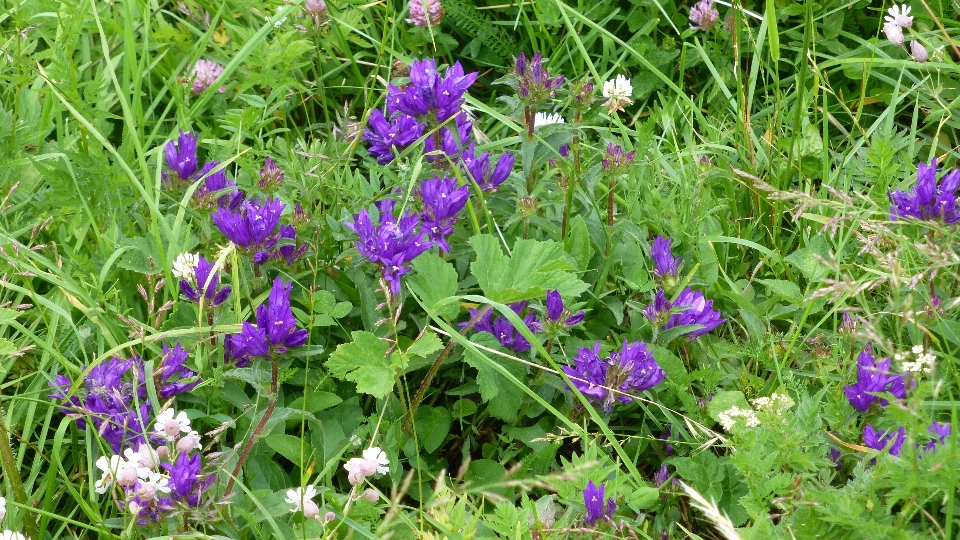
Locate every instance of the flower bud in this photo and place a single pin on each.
(310, 509)
(329, 516)
(190, 441)
(371, 495)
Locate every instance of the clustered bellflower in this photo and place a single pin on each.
(666, 266)
(928, 200)
(873, 378)
(442, 201)
(877, 440)
(697, 310)
(631, 369)
(535, 85)
(939, 432)
(206, 284)
(502, 329)
(387, 138)
(183, 164)
(252, 226)
(597, 508)
(558, 318)
(276, 331)
(478, 167)
(393, 243)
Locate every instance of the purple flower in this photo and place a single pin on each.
(208, 283)
(873, 378)
(558, 318)
(703, 15)
(204, 74)
(940, 432)
(535, 85)
(593, 499)
(450, 144)
(502, 329)
(658, 311)
(631, 369)
(666, 264)
(479, 168)
(442, 201)
(665, 436)
(251, 226)
(927, 200)
(174, 374)
(616, 160)
(276, 331)
(388, 138)
(317, 9)
(430, 97)
(181, 156)
(207, 194)
(699, 311)
(270, 175)
(184, 484)
(425, 12)
(288, 250)
(835, 457)
(392, 244)
(878, 441)
(661, 476)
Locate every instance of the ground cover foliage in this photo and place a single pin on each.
(634, 269)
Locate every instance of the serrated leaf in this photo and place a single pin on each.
(535, 267)
(577, 244)
(435, 281)
(7, 315)
(7, 348)
(433, 425)
(365, 362)
(428, 344)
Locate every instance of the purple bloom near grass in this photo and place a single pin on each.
(502, 329)
(442, 201)
(872, 438)
(479, 168)
(387, 138)
(665, 263)
(425, 12)
(699, 311)
(451, 143)
(939, 432)
(661, 476)
(558, 317)
(209, 194)
(185, 484)
(632, 369)
(252, 226)
(181, 156)
(173, 376)
(535, 84)
(703, 15)
(873, 378)
(597, 508)
(658, 311)
(204, 74)
(392, 244)
(616, 160)
(430, 97)
(276, 331)
(208, 285)
(928, 200)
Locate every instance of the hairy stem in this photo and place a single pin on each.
(257, 430)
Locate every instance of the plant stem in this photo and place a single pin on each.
(257, 430)
(9, 467)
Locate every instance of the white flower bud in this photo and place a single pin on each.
(371, 495)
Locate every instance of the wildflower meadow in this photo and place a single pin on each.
(479, 269)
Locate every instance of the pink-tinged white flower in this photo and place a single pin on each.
(302, 501)
(899, 15)
(703, 15)
(153, 484)
(204, 74)
(618, 92)
(148, 458)
(169, 426)
(189, 442)
(109, 469)
(425, 12)
(918, 52)
(378, 456)
(358, 469)
(894, 33)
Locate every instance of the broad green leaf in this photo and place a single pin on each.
(535, 267)
(435, 280)
(807, 259)
(578, 244)
(287, 446)
(723, 401)
(365, 362)
(786, 290)
(433, 425)
(428, 344)
(315, 401)
(644, 497)
(326, 309)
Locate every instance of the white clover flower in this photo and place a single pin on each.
(894, 33)
(109, 468)
(298, 497)
(618, 92)
(184, 266)
(899, 15)
(545, 119)
(11, 535)
(3, 508)
(169, 426)
(378, 456)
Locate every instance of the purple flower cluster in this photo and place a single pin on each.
(501, 328)
(276, 331)
(597, 508)
(535, 85)
(939, 433)
(615, 160)
(183, 164)
(387, 138)
(255, 227)
(425, 13)
(478, 167)
(703, 15)
(442, 201)
(631, 369)
(873, 378)
(207, 285)
(558, 318)
(666, 266)
(928, 200)
(393, 243)
(697, 310)
(115, 399)
(872, 438)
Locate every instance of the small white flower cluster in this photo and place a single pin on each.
(618, 92)
(922, 363)
(374, 461)
(545, 119)
(776, 403)
(184, 267)
(728, 418)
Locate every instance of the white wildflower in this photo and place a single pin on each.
(169, 426)
(545, 119)
(153, 484)
(894, 33)
(149, 458)
(11, 535)
(189, 442)
(776, 403)
(917, 349)
(3, 508)
(300, 496)
(728, 418)
(618, 92)
(185, 265)
(380, 457)
(109, 468)
(358, 469)
(899, 15)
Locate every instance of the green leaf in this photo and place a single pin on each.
(578, 243)
(535, 267)
(492, 383)
(807, 259)
(287, 446)
(326, 309)
(7, 348)
(644, 497)
(315, 401)
(7, 315)
(433, 425)
(435, 282)
(428, 344)
(365, 362)
(786, 290)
